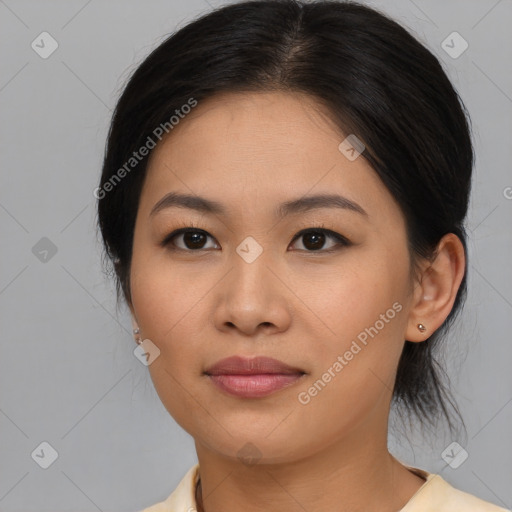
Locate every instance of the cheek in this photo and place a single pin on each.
(173, 311)
(354, 374)
(166, 299)
(365, 310)
(167, 313)
(352, 299)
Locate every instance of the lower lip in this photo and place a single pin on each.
(254, 386)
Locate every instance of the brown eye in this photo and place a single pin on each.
(315, 239)
(187, 239)
(194, 239)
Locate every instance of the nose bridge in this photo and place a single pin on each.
(251, 295)
(251, 261)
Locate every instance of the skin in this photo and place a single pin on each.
(251, 152)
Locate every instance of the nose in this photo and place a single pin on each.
(253, 297)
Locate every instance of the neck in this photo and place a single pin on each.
(355, 474)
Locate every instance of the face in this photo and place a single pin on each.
(242, 280)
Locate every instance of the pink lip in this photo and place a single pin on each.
(252, 378)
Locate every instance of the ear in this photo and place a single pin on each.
(436, 289)
(134, 322)
(132, 315)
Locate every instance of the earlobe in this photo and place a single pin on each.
(436, 289)
(135, 327)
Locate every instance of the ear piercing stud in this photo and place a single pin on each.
(421, 328)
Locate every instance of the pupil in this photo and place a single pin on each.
(193, 238)
(316, 238)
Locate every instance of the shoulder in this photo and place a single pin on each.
(182, 499)
(457, 499)
(437, 495)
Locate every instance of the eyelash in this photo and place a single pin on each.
(340, 239)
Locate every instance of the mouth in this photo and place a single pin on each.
(252, 378)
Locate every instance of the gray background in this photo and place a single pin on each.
(68, 375)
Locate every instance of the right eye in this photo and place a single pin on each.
(191, 239)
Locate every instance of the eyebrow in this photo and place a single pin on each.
(301, 205)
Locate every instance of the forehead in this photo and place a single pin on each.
(250, 149)
(273, 125)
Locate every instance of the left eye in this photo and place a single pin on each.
(314, 239)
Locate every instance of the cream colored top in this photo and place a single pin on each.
(435, 495)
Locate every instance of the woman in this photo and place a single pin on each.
(283, 197)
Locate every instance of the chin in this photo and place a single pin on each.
(264, 445)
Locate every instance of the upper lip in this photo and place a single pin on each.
(237, 365)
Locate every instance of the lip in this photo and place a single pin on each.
(252, 377)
